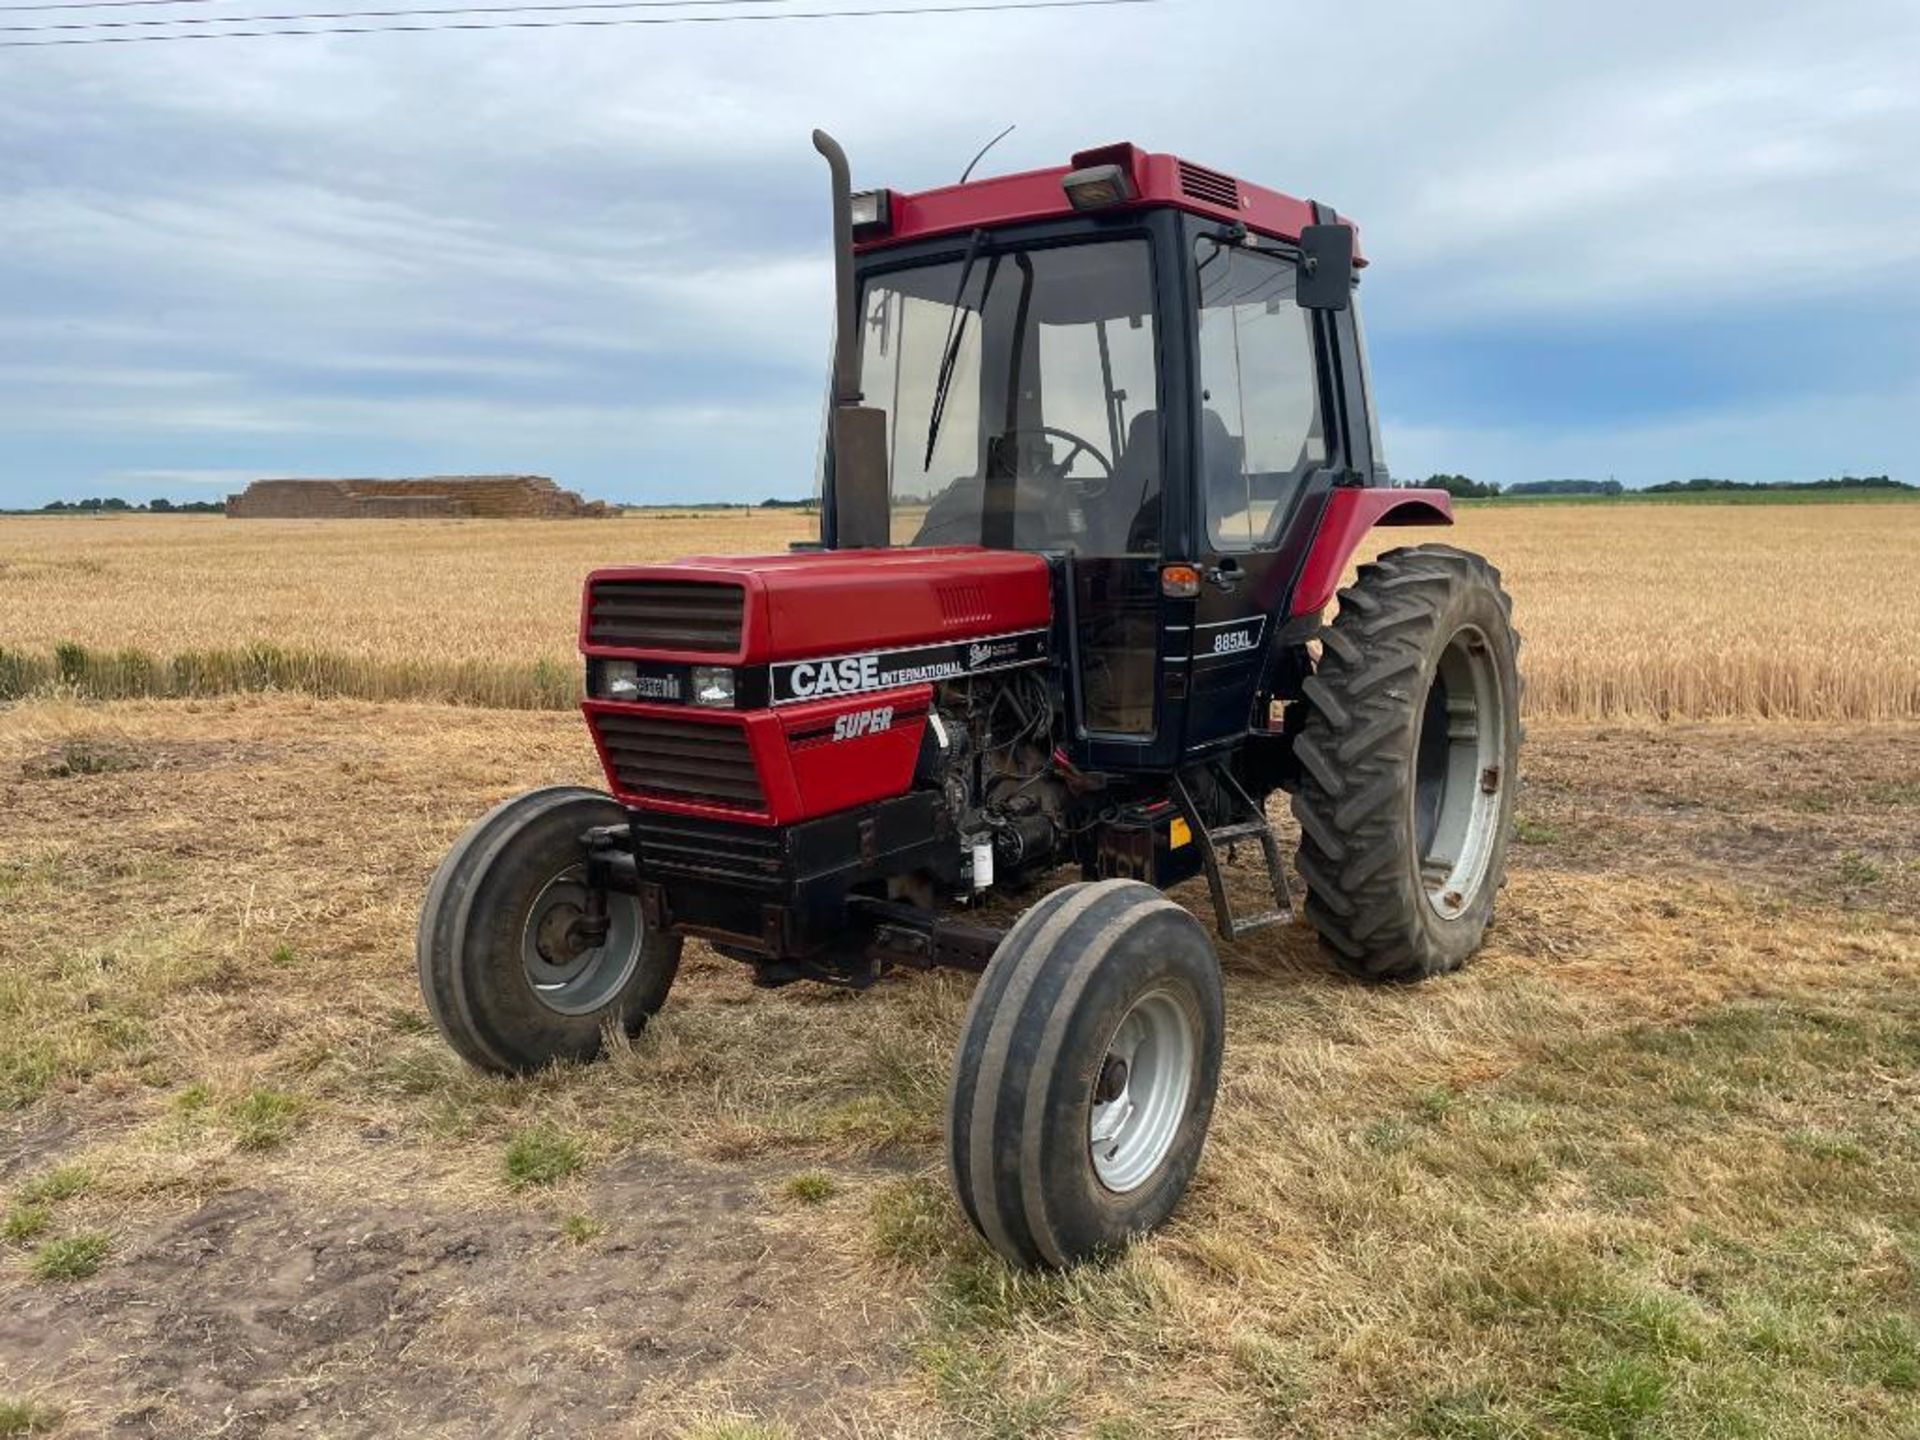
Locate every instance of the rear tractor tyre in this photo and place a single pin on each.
(507, 973)
(1409, 760)
(1086, 1073)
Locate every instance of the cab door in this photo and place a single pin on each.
(1261, 466)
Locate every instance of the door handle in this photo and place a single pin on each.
(1227, 575)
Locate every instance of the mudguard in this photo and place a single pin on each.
(1350, 514)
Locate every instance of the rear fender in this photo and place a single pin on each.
(1350, 514)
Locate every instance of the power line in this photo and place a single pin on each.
(104, 4)
(372, 14)
(216, 19)
(729, 19)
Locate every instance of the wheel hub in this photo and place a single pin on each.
(559, 939)
(1112, 1082)
(1457, 774)
(1140, 1095)
(569, 972)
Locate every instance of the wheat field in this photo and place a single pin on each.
(1805, 612)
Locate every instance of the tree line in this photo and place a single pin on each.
(1463, 487)
(160, 506)
(1841, 482)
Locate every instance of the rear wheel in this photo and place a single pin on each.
(1085, 1077)
(512, 976)
(1409, 764)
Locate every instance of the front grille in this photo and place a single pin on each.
(1200, 183)
(681, 760)
(745, 856)
(666, 615)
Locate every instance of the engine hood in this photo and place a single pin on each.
(762, 609)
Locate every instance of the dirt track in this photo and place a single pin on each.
(260, 1313)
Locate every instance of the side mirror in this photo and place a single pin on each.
(1326, 267)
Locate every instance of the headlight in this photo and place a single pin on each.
(617, 680)
(713, 685)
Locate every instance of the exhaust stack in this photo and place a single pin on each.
(857, 502)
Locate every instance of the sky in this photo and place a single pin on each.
(1648, 241)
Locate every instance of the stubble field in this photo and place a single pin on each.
(1649, 1167)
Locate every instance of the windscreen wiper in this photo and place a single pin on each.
(956, 332)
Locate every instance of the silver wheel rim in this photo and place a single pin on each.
(566, 976)
(1458, 774)
(1140, 1094)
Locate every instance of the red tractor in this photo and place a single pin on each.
(1102, 443)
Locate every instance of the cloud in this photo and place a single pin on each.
(1607, 239)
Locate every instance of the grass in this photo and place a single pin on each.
(72, 1257)
(264, 1119)
(82, 1007)
(32, 1211)
(735, 1427)
(25, 1221)
(912, 1221)
(1856, 870)
(546, 683)
(1648, 1167)
(1535, 832)
(61, 1183)
(809, 1187)
(1503, 1299)
(27, 1417)
(542, 1156)
(1663, 610)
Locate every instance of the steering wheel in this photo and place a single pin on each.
(1077, 445)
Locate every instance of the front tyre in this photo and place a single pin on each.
(1409, 761)
(508, 974)
(1086, 1073)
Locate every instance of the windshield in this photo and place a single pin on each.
(1024, 417)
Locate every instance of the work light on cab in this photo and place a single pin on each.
(872, 213)
(1099, 186)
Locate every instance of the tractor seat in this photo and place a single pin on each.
(1223, 479)
(1223, 473)
(1136, 489)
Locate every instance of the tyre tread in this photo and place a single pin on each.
(1012, 1058)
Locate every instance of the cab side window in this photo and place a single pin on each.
(1260, 420)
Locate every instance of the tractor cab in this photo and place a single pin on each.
(1114, 364)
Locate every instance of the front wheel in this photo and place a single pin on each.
(1086, 1073)
(511, 976)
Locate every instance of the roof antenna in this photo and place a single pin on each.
(983, 150)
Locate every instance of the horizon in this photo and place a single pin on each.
(1514, 489)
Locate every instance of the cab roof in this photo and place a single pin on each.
(1158, 181)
